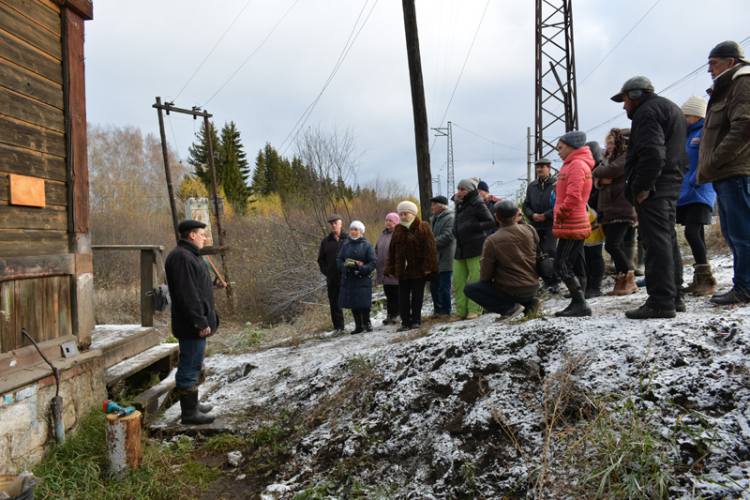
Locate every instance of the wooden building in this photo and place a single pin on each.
(46, 275)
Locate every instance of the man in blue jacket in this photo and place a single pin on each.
(193, 315)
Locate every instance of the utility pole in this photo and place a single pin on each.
(221, 249)
(556, 88)
(448, 132)
(421, 139)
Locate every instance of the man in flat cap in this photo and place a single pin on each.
(193, 315)
(724, 158)
(330, 247)
(655, 166)
(441, 223)
(537, 206)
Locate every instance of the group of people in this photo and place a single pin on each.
(670, 167)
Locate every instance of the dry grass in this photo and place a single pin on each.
(715, 242)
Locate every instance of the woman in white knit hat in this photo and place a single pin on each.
(696, 202)
(412, 257)
(357, 261)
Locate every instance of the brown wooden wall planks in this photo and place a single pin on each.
(12, 217)
(28, 110)
(23, 135)
(45, 15)
(14, 160)
(19, 25)
(56, 193)
(20, 243)
(19, 52)
(30, 84)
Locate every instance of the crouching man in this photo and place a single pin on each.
(508, 279)
(193, 315)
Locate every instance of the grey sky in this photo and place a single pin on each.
(138, 50)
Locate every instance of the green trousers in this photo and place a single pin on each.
(465, 271)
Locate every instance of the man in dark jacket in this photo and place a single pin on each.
(484, 192)
(330, 247)
(193, 315)
(508, 278)
(655, 166)
(442, 227)
(724, 158)
(538, 208)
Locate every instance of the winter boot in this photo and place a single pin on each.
(358, 326)
(191, 415)
(694, 283)
(593, 286)
(578, 306)
(645, 312)
(705, 283)
(640, 265)
(620, 280)
(205, 408)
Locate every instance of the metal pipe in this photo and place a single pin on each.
(56, 405)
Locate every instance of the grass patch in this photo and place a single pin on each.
(79, 469)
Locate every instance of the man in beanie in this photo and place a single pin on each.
(330, 247)
(442, 228)
(696, 201)
(489, 200)
(724, 158)
(508, 279)
(655, 167)
(193, 315)
(537, 206)
(571, 224)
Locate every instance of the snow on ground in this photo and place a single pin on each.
(430, 410)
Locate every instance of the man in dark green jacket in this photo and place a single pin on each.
(442, 227)
(724, 159)
(193, 315)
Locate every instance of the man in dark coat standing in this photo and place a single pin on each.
(654, 169)
(538, 208)
(329, 250)
(193, 315)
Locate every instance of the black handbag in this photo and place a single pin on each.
(545, 265)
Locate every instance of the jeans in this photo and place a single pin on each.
(656, 223)
(493, 299)
(465, 271)
(337, 314)
(441, 292)
(191, 362)
(410, 298)
(733, 195)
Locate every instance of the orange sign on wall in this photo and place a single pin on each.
(27, 191)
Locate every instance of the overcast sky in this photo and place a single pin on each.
(137, 50)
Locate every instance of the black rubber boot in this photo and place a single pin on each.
(593, 286)
(578, 306)
(358, 328)
(205, 408)
(190, 413)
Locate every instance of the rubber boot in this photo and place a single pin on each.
(611, 269)
(593, 286)
(629, 248)
(358, 327)
(205, 408)
(705, 283)
(366, 323)
(191, 415)
(640, 267)
(578, 306)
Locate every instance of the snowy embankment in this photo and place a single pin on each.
(424, 416)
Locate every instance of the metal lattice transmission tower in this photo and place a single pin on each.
(448, 132)
(556, 94)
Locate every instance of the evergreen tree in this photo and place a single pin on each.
(198, 157)
(233, 169)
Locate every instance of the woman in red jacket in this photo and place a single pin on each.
(571, 224)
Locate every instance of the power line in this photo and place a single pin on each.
(347, 47)
(622, 40)
(465, 61)
(488, 140)
(253, 53)
(212, 50)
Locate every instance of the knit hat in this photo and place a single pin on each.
(407, 206)
(483, 186)
(393, 217)
(470, 183)
(575, 139)
(358, 225)
(695, 106)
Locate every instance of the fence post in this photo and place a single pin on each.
(148, 274)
